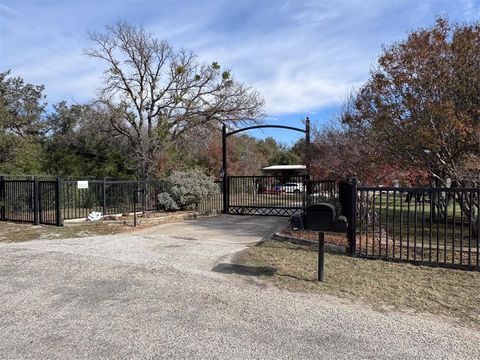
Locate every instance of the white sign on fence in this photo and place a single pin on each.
(82, 184)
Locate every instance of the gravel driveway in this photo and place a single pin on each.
(153, 294)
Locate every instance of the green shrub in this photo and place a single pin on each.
(185, 190)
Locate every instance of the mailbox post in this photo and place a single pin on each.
(321, 256)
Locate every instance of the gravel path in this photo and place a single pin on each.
(152, 294)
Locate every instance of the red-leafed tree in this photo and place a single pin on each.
(423, 102)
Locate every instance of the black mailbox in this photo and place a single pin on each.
(296, 222)
(320, 217)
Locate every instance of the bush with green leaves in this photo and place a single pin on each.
(185, 190)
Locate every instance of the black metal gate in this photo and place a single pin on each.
(48, 202)
(32, 201)
(17, 200)
(276, 195)
(266, 195)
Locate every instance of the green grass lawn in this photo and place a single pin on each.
(383, 285)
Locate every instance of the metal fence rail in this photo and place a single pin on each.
(52, 201)
(151, 190)
(104, 196)
(111, 197)
(215, 201)
(41, 200)
(437, 226)
(325, 189)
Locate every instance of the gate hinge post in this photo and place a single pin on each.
(352, 229)
(104, 196)
(58, 204)
(2, 199)
(36, 202)
(225, 170)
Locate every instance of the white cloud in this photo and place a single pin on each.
(303, 56)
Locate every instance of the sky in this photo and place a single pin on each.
(304, 56)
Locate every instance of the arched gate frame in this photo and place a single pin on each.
(226, 134)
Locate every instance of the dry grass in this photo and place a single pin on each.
(17, 231)
(384, 285)
(12, 232)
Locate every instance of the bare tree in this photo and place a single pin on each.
(156, 94)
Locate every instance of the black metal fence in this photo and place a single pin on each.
(52, 201)
(109, 197)
(38, 200)
(215, 201)
(118, 197)
(324, 190)
(35, 201)
(16, 199)
(437, 226)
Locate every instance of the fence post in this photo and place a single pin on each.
(58, 204)
(307, 146)
(2, 199)
(308, 190)
(352, 229)
(137, 187)
(104, 190)
(144, 195)
(36, 201)
(224, 169)
(135, 193)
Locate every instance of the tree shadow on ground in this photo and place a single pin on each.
(226, 268)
